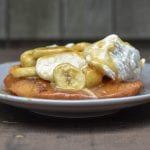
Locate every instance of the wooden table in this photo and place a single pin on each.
(21, 129)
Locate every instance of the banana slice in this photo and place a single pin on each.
(19, 72)
(79, 47)
(93, 77)
(67, 76)
(45, 65)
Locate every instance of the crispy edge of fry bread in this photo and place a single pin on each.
(38, 88)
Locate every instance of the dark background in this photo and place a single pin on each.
(41, 22)
(31, 23)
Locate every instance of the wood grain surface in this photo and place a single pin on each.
(21, 129)
(87, 19)
(73, 19)
(3, 18)
(132, 19)
(32, 19)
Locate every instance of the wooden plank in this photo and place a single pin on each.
(87, 18)
(3, 33)
(132, 18)
(32, 19)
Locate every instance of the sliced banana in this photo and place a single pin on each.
(45, 65)
(27, 59)
(79, 47)
(19, 72)
(93, 77)
(67, 76)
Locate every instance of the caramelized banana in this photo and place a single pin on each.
(67, 76)
(79, 47)
(18, 72)
(93, 77)
(28, 58)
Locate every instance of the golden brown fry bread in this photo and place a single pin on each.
(38, 88)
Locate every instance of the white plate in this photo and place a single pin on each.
(74, 108)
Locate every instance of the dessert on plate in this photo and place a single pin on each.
(107, 68)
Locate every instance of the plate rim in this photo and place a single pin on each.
(103, 101)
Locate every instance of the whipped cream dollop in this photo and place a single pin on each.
(111, 56)
(115, 58)
(45, 65)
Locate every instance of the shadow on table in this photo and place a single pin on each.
(126, 119)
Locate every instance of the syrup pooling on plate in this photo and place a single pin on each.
(88, 62)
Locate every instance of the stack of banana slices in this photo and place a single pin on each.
(82, 65)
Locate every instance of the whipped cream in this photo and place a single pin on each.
(46, 65)
(117, 59)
